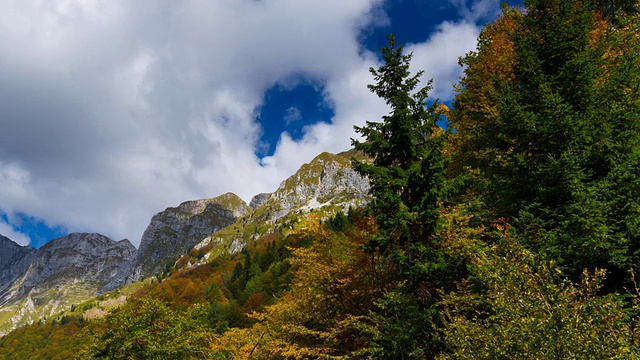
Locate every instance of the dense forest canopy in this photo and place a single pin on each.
(547, 121)
(514, 233)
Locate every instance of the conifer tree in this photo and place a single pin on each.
(563, 134)
(407, 171)
(406, 175)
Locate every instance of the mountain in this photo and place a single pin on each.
(36, 284)
(258, 200)
(323, 186)
(327, 181)
(176, 230)
(224, 224)
(14, 263)
(65, 271)
(90, 258)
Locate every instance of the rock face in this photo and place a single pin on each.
(174, 231)
(258, 200)
(89, 258)
(65, 271)
(328, 180)
(14, 263)
(322, 187)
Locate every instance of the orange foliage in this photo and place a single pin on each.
(476, 109)
(255, 302)
(183, 261)
(335, 284)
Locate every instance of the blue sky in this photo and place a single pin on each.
(113, 111)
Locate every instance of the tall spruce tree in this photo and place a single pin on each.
(407, 181)
(407, 171)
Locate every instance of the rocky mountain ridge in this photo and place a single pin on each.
(65, 271)
(68, 270)
(14, 263)
(176, 230)
(328, 180)
(85, 257)
(323, 186)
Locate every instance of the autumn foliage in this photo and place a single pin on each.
(511, 234)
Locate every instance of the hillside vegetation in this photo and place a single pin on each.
(512, 233)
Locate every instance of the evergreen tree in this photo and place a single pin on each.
(407, 182)
(407, 172)
(563, 134)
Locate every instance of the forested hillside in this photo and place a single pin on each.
(513, 232)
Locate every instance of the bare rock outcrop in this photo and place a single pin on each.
(176, 230)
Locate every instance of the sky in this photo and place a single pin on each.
(113, 110)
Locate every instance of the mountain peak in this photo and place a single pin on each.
(8, 248)
(258, 200)
(64, 271)
(176, 230)
(328, 179)
(78, 256)
(232, 202)
(78, 240)
(14, 262)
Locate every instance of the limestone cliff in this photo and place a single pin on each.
(65, 271)
(71, 269)
(325, 185)
(328, 180)
(89, 258)
(14, 263)
(174, 231)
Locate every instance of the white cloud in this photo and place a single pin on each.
(7, 231)
(354, 104)
(111, 111)
(292, 114)
(477, 10)
(438, 56)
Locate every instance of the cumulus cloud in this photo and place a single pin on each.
(438, 57)
(111, 111)
(477, 10)
(354, 104)
(7, 231)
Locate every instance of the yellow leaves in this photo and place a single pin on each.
(458, 236)
(278, 334)
(331, 291)
(444, 110)
(313, 224)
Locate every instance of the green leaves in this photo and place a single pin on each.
(407, 178)
(528, 310)
(149, 329)
(545, 140)
(544, 160)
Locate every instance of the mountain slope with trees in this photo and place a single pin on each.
(512, 234)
